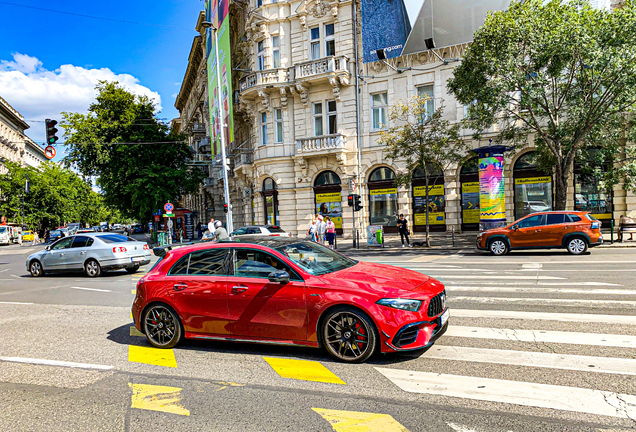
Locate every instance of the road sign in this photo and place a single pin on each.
(352, 185)
(49, 152)
(168, 207)
(168, 215)
(157, 218)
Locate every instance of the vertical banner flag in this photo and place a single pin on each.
(385, 25)
(217, 12)
(491, 189)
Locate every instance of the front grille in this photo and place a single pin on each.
(406, 337)
(437, 304)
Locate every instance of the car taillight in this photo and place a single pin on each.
(274, 235)
(146, 247)
(119, 249)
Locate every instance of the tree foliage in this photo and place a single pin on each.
(561, 71)
(135, 178)
(56, 196)
(424, 142)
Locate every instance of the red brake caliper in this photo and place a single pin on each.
(360, 338)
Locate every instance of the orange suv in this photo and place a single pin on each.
(573, 230)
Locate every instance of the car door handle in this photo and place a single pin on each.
(62, 254)
(238, 289)
(83, 253)
(179, 286)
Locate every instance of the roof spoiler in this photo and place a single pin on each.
(161, 251)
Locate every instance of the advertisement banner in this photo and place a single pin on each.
(434, 218)
(436, 205)
(375, 235)
(217, 12)
(492, 205)
(383, 191)
(330, 204)
(378, 32)
(189, 226)
(432, 190)
(470, 202)
(533, 180)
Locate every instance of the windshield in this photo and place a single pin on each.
(314, 258)
(3, 229)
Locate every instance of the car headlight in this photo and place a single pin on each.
(404, 304)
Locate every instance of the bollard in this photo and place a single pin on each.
(453, 236)
(612, 231)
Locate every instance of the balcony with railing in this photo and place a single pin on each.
(322, 69)
(198, 128)
(255, 81)
(322, 144)
(243, 159)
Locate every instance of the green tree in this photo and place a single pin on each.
(428, 143)
(560, 71)
(137, 163)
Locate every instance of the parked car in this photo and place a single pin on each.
(91, 253)
(57, 234)
(5, 235)
(137, 228)
(27, 235)
(73, 227)
(260, 230)
(573, 230)
(287, 291)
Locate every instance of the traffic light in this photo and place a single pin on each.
(224, 208)
(350, 200)
(356, 203)
(51, 130)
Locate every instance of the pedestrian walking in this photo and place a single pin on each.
(403, 229)
(36, 238)
(199, 231)
(312, 230)
(321, 229)
(47, 235)
(20, 238)
(330, 229)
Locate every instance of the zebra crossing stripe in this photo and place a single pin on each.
(540, 290)
(565, 398)
(534, 359)
(543, 301)
(544, 316)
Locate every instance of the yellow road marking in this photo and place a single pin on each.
(352, 421)
(135, 332)
(305, 370)
(153, 356)
(133, 291)
(131, 317)
(157, 398)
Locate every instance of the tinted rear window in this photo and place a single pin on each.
(556, 218)
(575, 218)
(275, 229)
(82, 241)
(206, 262)
(590, 217)
(113, 238)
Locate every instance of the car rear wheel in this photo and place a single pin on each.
(92, 268)
(132, 270)
(498, 247)
(162, 326)
(577, 246)
(349, 335)
(35, 268)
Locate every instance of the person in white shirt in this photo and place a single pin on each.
(211, 226)
(321, 228)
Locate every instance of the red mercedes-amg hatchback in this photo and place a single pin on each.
(287, 291)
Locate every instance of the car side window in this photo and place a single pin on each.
(65, 243)
(253, 231)
(556, 218)
(574, 218)
(208, 262)
(258, 264)
(81, 241)
(531, 221)
(181, 267)
(239, 231)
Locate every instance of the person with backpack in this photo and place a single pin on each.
(330, 229)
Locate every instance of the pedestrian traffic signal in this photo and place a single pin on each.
(224, 208)
(350, 200)
(51, 130)
(356, 203)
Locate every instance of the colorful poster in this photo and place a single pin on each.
(470, 202)
(492, 205)
(375, 235)
(330, 204)
(220, 101)
(378, 32)
(436, 205)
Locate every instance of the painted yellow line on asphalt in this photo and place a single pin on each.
(157, 398)
(352, 421)
(135, 332)
(131, 317)
(133, 291)
(152, 356)
(305, 370)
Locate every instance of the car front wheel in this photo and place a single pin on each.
(498, 247)
(162, 326)
(92, 268)
(349, 335)
(577, 246)
(36, 268)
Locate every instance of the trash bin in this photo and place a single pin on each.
(379, 236)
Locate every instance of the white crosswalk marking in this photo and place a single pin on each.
(545, 316)
(547, 301)
(542, 290)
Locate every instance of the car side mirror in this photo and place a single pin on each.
(280, 276)
(48, 248)
(515, 227)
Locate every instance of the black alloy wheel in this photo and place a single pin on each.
(349, 335)
(35, 268)
(162, 326)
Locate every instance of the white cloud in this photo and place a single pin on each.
(38, 93)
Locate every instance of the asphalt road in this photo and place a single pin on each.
(537, 342)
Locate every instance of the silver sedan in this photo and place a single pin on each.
(91, 253)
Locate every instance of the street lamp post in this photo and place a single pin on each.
(226, 187)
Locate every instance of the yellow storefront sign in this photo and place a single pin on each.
(470, 187)
(533, 180)
(383, 191)
(438, 218)
(328, 197)
(432, 190)
(602, 215)
(470, 216)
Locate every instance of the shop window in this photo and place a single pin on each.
(533, 188)
(328, 197)
(383, 204)
(436, 199)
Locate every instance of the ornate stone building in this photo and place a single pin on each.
(15, 146)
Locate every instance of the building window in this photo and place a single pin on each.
(318, 119)
(276, 51)
(315, 43)
(330, 43)
(428, 92)
(332, 115)
(261, 56)
(278, 118)
(270, 199)
(379, 104)
(263, 128)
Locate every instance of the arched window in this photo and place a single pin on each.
(533, 188)
(328, 198)
(469, 180)
(382, 174)
(383, 204)
(436, 198)
(270, 200)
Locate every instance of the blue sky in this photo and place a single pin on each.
(49, 61)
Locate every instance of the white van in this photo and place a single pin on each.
(5, 235)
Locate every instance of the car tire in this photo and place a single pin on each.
(92, 268)
(345, 331)
(498, 247)
(35, 268)
(162, 326)
(577, 246)
(132, 270)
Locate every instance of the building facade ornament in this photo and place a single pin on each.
(303, 92)
(283, 98)
(264, 99)
(319, 9)
(336, 88)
